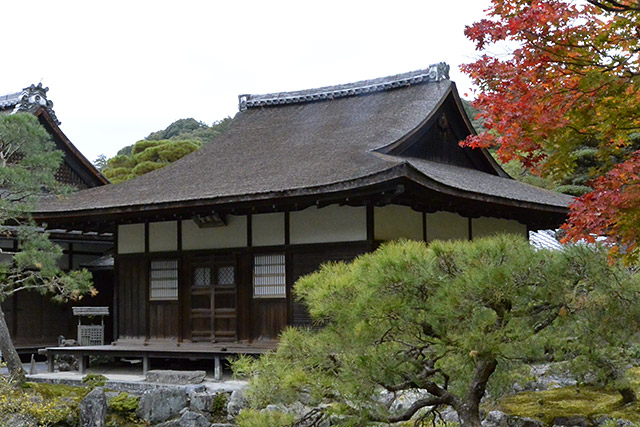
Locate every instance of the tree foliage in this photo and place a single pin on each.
(161, 148)
(452, 318)
(146, 156)
(568, 92)
(29, 162)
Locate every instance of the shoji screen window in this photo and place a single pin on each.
(269, 277)
(164, 280)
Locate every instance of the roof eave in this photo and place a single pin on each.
(43, 114)
(357, 191)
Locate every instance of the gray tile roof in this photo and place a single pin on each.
(9, 100)
(544, 239)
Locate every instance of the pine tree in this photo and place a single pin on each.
(29, 161)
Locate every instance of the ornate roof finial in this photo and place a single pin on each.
(34, 97)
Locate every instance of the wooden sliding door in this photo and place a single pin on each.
(212, 308)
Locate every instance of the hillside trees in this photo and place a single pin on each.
(568, 92)
(161, 148)
(453, 318)
(29, 161)
(146, 156)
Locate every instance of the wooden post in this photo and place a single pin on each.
(217, 371)
(145, 363)
(83, 363)
(50, 358)
(32, 365)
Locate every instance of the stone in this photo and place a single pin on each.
(524, 422)
(237, 402)
(404, 399)
(572, 421)
(188, 419)
(449, 415)
(496, 419)
(19, 420)
(175, 377)
(202, 402)
(274, 408)
(93, 409)
(619, 422)
(161, 404)
(549, 376)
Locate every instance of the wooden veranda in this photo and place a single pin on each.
(170, 350)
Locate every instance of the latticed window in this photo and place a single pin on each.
(202, 277)
(226, 276)
(164, 280)
(269, 277)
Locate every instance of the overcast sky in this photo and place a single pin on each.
(119, 70)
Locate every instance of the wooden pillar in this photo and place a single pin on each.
(145, 363)
(217, 368)
(83, 363)
(50, 358)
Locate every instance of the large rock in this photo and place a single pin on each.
(188, 419)
(175, 377)
(161, 404)
(237, 402)
(93, 409)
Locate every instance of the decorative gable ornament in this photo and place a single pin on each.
(34, 97)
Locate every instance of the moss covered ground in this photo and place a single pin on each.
(58, 405)
(591, 402)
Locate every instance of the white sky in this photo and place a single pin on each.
(119, 70)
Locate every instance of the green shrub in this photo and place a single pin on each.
(253, 418)
(55, 406)
(219, 405)
(94, 380)
(125, 405)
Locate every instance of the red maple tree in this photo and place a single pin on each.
(570, 76)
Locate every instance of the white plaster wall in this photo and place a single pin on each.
(267, 229)
(233, 235)
(395, 222)
(485, 226)
(130, 238)
(447, 226)
(163, 236)
(329, 224)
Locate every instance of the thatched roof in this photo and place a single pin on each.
(305, 144)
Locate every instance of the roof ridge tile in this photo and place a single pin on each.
(434, 73)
